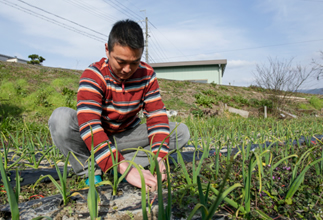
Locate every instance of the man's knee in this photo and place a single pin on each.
(182, 133)
(60, 120)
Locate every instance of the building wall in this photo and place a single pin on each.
(4, 57)
(207, 73)
(11, 59)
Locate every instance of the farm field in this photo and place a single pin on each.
(252, 168)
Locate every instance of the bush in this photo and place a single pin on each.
(210, 92)
(224, 98)
(316, 102)
(304, 106)
(204, 100)
(257, 88)
(260, 103)
(197, 113)
(240, 100)
(266, 102)
(70, 97)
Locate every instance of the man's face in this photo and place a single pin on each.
(123, 60)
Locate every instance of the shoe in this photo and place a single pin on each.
(97, 179)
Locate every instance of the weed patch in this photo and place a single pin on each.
(316, 102)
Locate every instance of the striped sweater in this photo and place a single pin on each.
(108, 105)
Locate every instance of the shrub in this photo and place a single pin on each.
(209, 92)
(197, 113)
(213, 84)
(266, 102)
(260, 103)
(224, 98)
(70, 97)
(204, 100)
(303, 106)
(223, 88)
(42, 95)
(257, 88)
(240, 100)
(316, 102)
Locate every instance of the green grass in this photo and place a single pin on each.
(276, 181)
(221, 132)
(316, 102)
(176, 103)
(31, 94)
(304, 106)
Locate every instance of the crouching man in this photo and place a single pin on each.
(111, 93)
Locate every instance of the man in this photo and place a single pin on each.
(111, 93)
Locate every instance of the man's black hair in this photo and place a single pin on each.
(126, 33)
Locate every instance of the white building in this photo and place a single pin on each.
(12, 59)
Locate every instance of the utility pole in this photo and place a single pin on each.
(146, 41)
(146, 35)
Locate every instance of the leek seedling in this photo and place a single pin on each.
(116, 179)
(63, 187)
(6, 152)
(254, 160)
(15, 140)
(12, 197)
(272, 167)
(206, 151)
(143, 184)
(17, 192)
(297, 182)
(302, 158)
(208, 213)
(37, 163)
(93, 197)
(164, 214)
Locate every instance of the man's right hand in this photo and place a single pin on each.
(133, 177)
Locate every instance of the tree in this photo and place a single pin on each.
(318, 67)
(35, 59)
(281, 79)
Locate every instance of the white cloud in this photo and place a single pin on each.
(201, 30)
(240, 63)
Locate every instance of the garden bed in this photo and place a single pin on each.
(282, 178)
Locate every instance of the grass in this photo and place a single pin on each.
(316, 102)
(284, 177)
(39, 90)
(281, 180)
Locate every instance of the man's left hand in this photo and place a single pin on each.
(162, 168)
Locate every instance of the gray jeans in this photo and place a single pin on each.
(64, 129)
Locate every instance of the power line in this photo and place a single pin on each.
(154, 52)
(125, 7)
(120, 10)
(53, 21)
(63, 18)
(170, 41)
(159, 47)
(92, 10)
(253, 48)
(151, 58)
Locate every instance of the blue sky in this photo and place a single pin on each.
(245, 33)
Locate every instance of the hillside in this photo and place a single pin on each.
(32, 92)
(313, 91)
